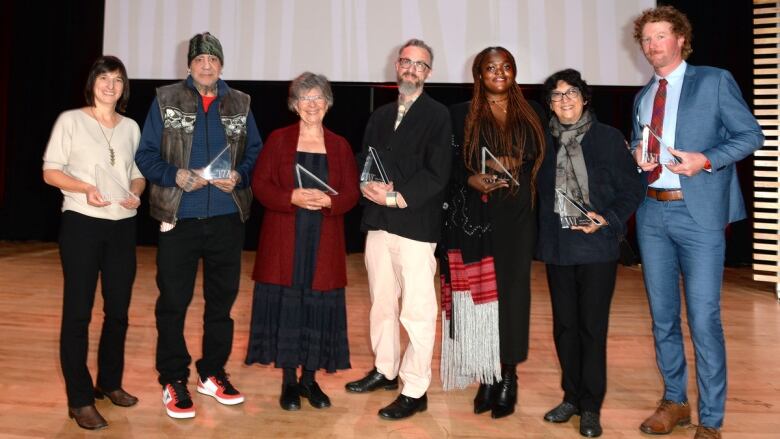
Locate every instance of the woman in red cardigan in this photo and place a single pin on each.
(306, 179)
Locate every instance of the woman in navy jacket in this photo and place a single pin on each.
(587, 164)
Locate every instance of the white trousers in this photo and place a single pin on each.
(402, 268)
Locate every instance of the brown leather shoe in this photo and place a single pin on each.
(707, 433)
(118, 397)
(668, 415)
(87, 417)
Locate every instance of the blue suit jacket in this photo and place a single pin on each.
(712, 118)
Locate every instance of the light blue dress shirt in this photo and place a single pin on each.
(668, 179)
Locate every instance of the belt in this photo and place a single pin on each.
(665, 194)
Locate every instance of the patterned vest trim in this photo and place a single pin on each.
(178, 108)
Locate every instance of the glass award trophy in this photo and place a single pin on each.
(373, 170)
(220, 167)
(109, 187)
(646, 156)
(646, 133)
(572, 212)
(304, 175)
(504, 173)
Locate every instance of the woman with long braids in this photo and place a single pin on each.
(490, 234)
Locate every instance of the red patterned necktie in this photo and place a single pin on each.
(657, 125)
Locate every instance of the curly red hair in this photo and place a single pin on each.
(679, 21)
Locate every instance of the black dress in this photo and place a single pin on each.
(488, 247)
(513, 242)
(297, 326)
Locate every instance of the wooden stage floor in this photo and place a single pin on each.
(33, 403)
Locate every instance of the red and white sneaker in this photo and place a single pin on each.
(220, 388)
(177, 401)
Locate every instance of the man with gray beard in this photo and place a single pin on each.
(402, 216)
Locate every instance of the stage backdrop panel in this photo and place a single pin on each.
(356, 40)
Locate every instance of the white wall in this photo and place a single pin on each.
(357, 40)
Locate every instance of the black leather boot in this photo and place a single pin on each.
(291, 397)
(506, 393)
(483, 402)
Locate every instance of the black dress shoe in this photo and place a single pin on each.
(374, 380)
(118, 397)
(404, 406)
(562, 413)
(590, 425)
(87, 417)
(291, 397)
(506, 394)
(317, 398)
(483, 402)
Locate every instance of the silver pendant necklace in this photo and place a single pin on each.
(111, 154)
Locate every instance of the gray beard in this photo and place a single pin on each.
(407, 88)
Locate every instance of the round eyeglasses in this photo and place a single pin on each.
(317, 99)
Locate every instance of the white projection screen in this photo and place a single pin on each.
(357, 40)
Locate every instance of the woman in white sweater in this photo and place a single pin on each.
(90, 159)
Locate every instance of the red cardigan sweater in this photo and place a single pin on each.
(273, 183)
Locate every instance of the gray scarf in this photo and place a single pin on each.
(571, 176)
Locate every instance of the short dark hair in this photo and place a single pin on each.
(106, 64)
(571, 77)
(679, 21)
(305, 82)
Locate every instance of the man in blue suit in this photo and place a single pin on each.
(704, 128)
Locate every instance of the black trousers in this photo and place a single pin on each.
(513, 242)
(88, 247)
(217, 241)
(581, 296)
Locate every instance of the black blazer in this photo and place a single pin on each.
(616, 191)
(417, 159)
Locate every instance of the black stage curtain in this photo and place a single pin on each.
(52, 49)
(6, 12)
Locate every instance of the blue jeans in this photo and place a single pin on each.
(671, 242)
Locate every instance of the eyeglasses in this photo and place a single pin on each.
(572, 93)
(419, 66)
(317, 99)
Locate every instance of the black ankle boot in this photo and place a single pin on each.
(483, 402)
(506, 393)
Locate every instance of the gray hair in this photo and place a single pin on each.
(417, 43)
(305, 82)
